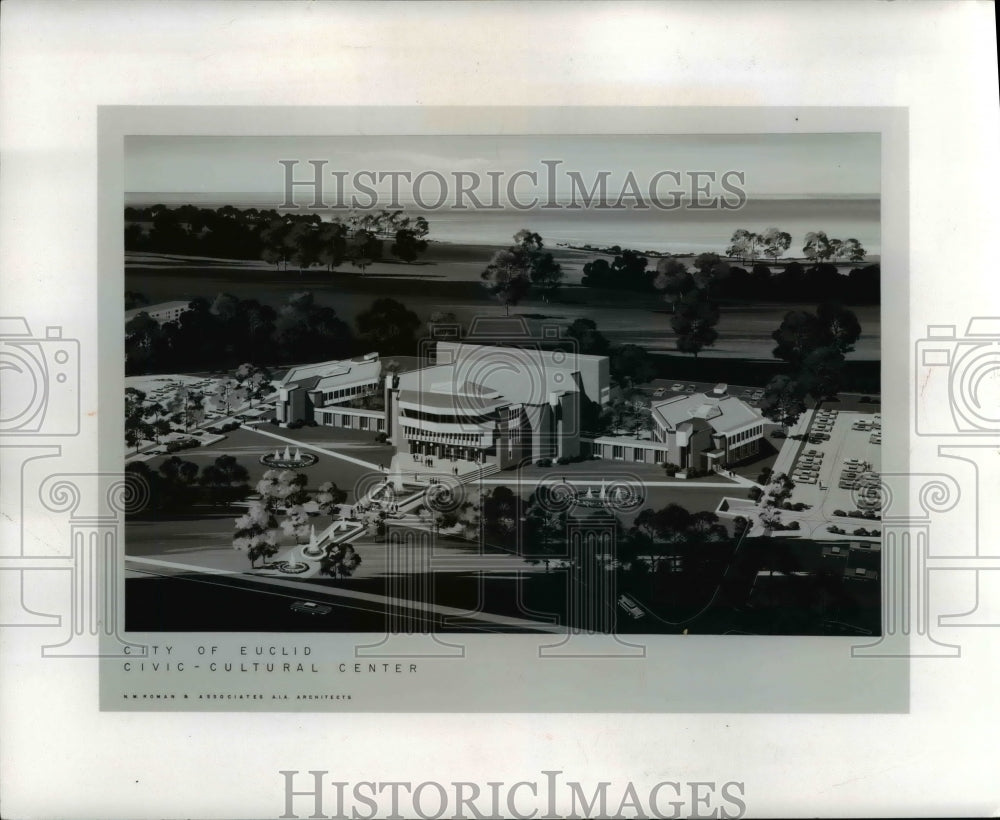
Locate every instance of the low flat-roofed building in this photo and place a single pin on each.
(161, 312)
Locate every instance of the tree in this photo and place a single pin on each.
(329, 497)
(254, 381)
(408, 246)
(783, 401)
(340, 561)
(506, 277)
(144, 343)
(498, 507)
(852, 250)
(710, 270)
(303, 241)
(283, 489)
(546, 274)
(775, 242)
(842, 325)
(273, 246)
(597, 274)
(589, 340)
(817, 246)
(226, 393)
(631, 365)
(367, 249)
(305, 331)
(822, 372)
(256, 532)
(178, 483)
(694, 323)
(743, 245)
(628, 271)
(225, 480)
(189, 404)
(674, 279)
(137, 428)
(296, 522)
(331, 242)
(801, 333)
(388, 327)
(544, 533)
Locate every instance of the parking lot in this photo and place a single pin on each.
(842, 448)
(662, 389)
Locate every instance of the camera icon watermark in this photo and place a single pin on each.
(965, 369)
(39, 381)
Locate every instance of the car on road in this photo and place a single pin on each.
(630, 606)
(311, 608)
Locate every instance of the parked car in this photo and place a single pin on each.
(630, 606)
(659, 392)
(311, 608)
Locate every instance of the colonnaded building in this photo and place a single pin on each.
(505, 405)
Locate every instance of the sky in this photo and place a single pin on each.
(808, 165)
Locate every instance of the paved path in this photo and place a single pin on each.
(375, 468)
(790, 449)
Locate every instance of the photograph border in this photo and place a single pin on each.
(689, 674)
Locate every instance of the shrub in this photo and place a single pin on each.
(860, 531)
(765, 476)
(381, 437)
(671, 469)
(562, 460)
(311, 423)
(870, 514)
(295, 425)
(835, 530)
(839, 512)
(800, 506)
(544, 462)
(792, 525)
(854, 514)
(755, 493)
(273, 421)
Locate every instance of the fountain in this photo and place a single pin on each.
(312, 549)
(287, 460)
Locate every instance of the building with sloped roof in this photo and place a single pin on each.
(319, 392)
(705, 430)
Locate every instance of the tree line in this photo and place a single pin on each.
(227, 331)
(280, 239)
(790, 281)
